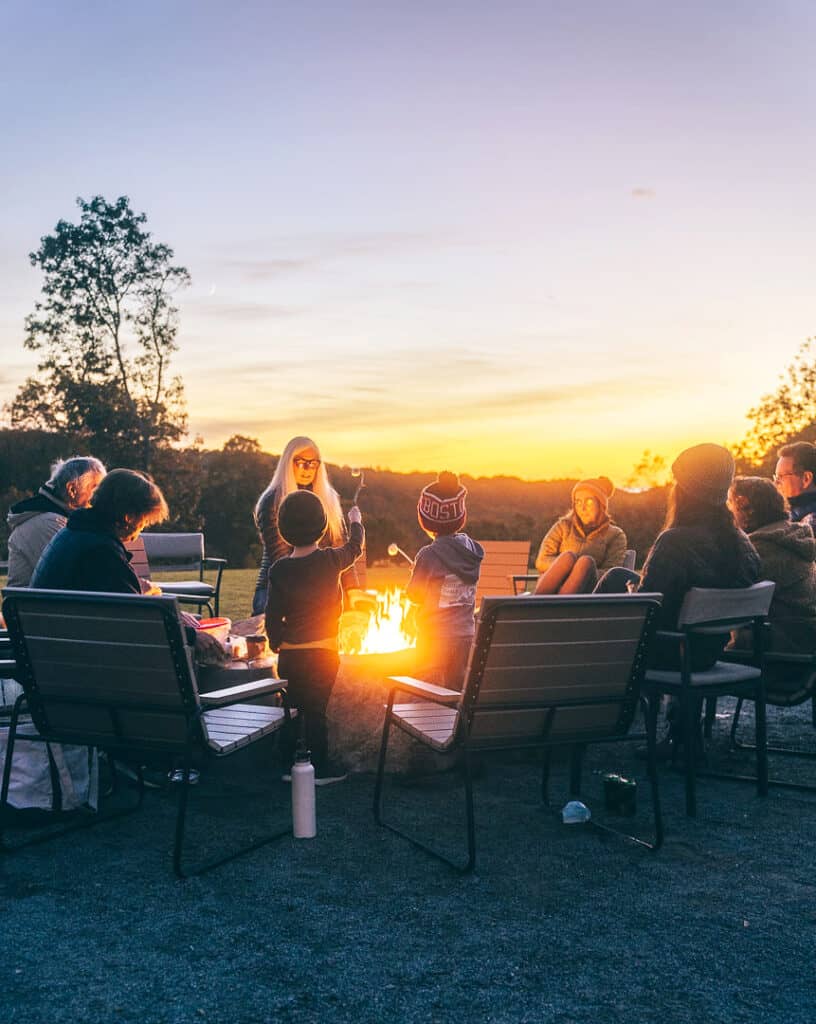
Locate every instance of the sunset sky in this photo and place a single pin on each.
(527, 238)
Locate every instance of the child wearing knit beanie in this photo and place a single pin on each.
(443, 583)
(581, 544)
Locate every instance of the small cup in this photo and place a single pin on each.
(256, 646)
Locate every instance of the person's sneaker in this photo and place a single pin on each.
(176, 775)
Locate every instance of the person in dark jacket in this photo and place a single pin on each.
(302, 617)
(90, 553)
(300, 467)
(33, 521)
(700, 546)
(787, 552)
(443, 583)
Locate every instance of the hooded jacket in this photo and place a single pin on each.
(606, 543)
(787, 552)
(32, 523)
(86, 556)
(443, 585)
(803, 507)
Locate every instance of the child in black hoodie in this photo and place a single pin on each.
(443, 583)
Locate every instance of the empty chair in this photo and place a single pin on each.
(545, 671)
(179, 552)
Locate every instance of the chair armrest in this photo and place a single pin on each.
(243, 691)
(437, 694)
(525, 578)
(213, 563)
(670, 634)
(781, 658)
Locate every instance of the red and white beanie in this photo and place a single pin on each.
(441, 506)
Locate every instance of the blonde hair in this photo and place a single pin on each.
(283, 483)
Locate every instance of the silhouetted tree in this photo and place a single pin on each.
(106, 328)
(787, 414)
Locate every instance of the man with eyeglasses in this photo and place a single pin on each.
(795, 479)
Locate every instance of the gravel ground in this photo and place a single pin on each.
(557, 924)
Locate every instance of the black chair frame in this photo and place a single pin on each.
(190, 708)
(467, 747)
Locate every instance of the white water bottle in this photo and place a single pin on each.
(304, 822)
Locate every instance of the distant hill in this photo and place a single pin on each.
(215, 490)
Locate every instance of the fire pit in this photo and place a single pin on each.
(374, 645)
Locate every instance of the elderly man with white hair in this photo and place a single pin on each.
(35, 520)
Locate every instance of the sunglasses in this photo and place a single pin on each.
(306, 463)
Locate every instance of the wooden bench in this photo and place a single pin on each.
(503, 559)
(113, 671)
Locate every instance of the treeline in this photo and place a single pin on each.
(215, 491)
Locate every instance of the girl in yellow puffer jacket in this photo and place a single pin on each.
(581, 544)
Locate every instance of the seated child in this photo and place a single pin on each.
(443, 584)
(303, 607)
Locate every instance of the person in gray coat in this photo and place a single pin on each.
(35, 520)
(787, 553)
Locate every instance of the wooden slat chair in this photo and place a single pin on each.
(113, 671)
(706, 612)
(545, 671)
(179, 552)
(503, 559)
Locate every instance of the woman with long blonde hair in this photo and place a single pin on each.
(300, 467)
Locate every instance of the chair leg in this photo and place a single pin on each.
(710, 716)
(576, 766)
(651, 767)
(181, 814)
(49, 833)
(545, 775)
(469, 815)
(735, 744)
(760, 713)
(690, 719)
(471, 824)
(378, 785)
(4, 787)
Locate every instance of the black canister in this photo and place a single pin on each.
(620, 795)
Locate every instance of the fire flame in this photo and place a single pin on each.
(377, 624)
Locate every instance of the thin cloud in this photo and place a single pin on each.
(643, 193)
(246, 312)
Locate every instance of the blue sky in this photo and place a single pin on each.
(534, 238)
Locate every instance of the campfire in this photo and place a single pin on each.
(377, 624)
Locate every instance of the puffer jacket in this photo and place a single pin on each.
(32, 523)
(787, 553)
(606, 543)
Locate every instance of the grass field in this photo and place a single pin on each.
(238, 585)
